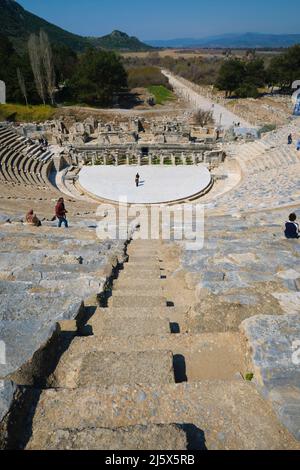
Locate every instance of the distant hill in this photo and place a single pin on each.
(120, 41)
(247, 40)
(17, 24)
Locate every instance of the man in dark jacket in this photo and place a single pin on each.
(60, 212)
(292, 227)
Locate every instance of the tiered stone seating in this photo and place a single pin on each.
(21, 161)
(247, 277)
(270, 170)
(45, 277)
(26, 175)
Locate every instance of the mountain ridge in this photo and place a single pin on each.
(232, 40)
(120, 41)
(17, 24)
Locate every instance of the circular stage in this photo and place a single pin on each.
(158, 184)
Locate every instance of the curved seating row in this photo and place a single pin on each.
(23, 162)
(270, 174)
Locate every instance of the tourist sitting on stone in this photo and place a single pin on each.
(32, 219)
(292, 227)
(60, 212)
(290, 139)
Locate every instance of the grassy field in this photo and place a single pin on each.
(192, 53)
(161, 94)
(21, 113)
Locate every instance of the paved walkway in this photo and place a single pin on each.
(187, 90)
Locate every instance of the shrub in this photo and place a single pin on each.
(18, 113)
(247, 90)
(203, 118)
(267, 128)
(249, 376)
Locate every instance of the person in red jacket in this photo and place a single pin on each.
(60, 212)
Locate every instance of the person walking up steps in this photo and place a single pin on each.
(60, 212)
(137, 180)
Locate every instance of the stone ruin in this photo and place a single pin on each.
(136, 141)
(95, 132)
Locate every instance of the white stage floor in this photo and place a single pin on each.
(158, 184)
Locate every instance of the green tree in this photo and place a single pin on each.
(255, 73)
(242, 77)
(231, 76)
(65, 62)
(98, 76)
(285, 68)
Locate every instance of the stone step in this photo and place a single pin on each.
(123, 283)
(196, 357)
(143, 251)
(140, 249)
(136, 274)
(153, 437)
(215, 410)
(137, 291)
(120, 326)
(112, 368)
(145, 244)
(137, 300)
(173, 313)
(150, 266)
(140, 269)
(176, 290)
(142, 259)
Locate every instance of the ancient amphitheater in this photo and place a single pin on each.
(149, 344)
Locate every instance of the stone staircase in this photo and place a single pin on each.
(138, 377)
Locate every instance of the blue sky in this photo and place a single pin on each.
(169, 19)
